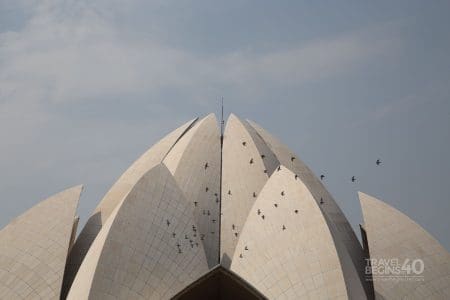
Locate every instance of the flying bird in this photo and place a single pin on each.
(353, 179)
(378, 162)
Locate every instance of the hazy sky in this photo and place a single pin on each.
(87, 86)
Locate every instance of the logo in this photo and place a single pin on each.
(394, 269)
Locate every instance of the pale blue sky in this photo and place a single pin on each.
(87, 86)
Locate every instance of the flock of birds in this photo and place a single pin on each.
(353, 179)
(202, 236)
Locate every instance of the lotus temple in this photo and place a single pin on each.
(212, 213)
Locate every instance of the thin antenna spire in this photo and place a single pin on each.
(222, 123)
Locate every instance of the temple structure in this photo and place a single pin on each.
(212, 213)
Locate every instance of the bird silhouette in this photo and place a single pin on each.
(322, 177)
(378, 162)
(353, 179)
